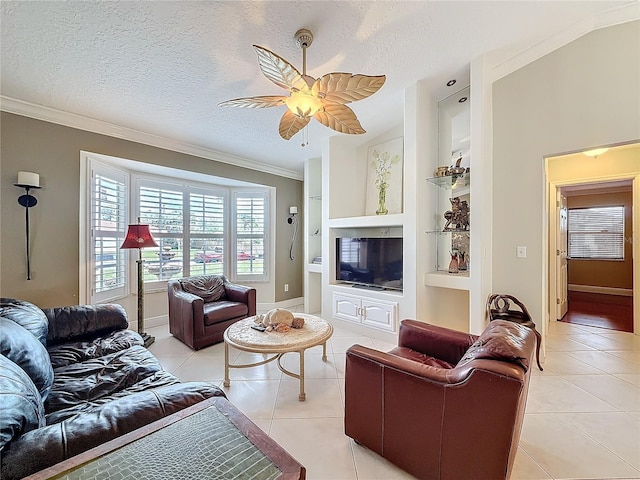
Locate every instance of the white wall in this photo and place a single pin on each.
(582, 95)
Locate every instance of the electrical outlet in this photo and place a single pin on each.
(286, 287)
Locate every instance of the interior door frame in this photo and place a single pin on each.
(563, 289)
(550, 235)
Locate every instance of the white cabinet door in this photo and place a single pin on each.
(379, 315)
(346, 307)
(373, 313)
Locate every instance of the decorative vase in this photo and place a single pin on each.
(462, 261)
(453, 264)
(382, 199)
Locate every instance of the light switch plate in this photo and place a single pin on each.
(521, 252)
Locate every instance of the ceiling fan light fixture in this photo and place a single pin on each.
(324, 98)
(303, 105)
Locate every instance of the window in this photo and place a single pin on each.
(206, 233)
(108, 225)
(596, 233)
(250, 224)
(189, 223)
(162, 207)
(200, 228)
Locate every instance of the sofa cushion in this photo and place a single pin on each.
(79, 322)
(22, 408)
(27, 315)
(23, 349)
(501, 340)
(222, 311)
(208, 287)
(81, 350)
(95, 378)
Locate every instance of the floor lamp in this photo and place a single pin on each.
(139, 236)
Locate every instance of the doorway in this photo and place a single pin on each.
(599, 266)
(598, 293)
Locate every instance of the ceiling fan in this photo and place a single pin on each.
(324, 98)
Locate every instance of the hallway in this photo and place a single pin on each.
(613, 312)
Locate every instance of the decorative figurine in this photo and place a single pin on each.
(453, 264)
(458, 217)
(462, 261)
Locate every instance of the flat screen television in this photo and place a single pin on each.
(370, 262)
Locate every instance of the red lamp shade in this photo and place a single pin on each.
(138, 236)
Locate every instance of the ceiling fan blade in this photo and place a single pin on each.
(291, 124)
(255, 102)
(346, 88)
(279, 71)
(339, 118)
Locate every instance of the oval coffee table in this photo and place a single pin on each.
(240, 335)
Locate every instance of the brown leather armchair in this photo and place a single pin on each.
(442, 404)
(202, 307)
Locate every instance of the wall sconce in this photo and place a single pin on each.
(293, 220)
(28, 181)
(139, 236)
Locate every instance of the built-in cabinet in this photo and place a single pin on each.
(435, 133)
(374, 313)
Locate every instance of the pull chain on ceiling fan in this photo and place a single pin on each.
(324, 98)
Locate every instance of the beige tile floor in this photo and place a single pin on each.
(582, 419)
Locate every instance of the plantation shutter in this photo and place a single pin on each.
(108, 219)
(207, 233)
(162, 208)
(250, 222)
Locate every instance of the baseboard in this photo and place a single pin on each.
(150, 322)
(290, 304)
(625, 292)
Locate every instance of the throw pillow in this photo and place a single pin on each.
(502, 341)
(208, 287)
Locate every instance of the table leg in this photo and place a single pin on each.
(226, 382)
(324, 352)
(302, 395)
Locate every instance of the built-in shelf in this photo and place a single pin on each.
(457, 281)
(452, 182)
(314, 267)
(443, 232)
(394, 220)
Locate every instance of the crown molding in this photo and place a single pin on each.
(67, 119)
(506, 62)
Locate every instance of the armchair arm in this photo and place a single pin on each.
(242, 294)
(84, 321)
(439, 342)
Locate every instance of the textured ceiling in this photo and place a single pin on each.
(161, 67)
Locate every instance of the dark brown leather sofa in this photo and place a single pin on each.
(73, 378)
(202, 307)
(442, 404)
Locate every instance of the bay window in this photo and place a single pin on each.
(200, 229)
